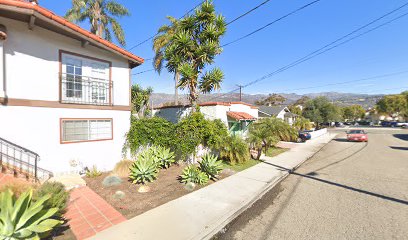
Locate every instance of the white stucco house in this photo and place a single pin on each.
(236, 116)
(281, 112)
(64, 92)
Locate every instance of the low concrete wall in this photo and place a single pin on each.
(318, 133)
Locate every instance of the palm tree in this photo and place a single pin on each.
(102, 16)
(268, 131)
(193, 47)
(302, 123)
(160, 43)
(140, 100)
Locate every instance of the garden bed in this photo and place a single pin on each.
(165, 188)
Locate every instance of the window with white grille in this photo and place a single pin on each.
(79, 130)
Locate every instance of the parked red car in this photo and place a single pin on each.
(357, 135)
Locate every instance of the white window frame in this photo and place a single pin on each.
(90, 87)
(91, 133)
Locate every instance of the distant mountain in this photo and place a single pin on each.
(343, 99)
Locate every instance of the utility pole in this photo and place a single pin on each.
(240, 92)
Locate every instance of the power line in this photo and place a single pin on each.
(269, 24)
(346, 82)
(319, 52)
(149, 70)
(150, 38)
(248, 12)
(259, 29)
(331, 84)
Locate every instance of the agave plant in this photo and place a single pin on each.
(210, 165)
(144, 169)
(22, 218)
(193, 174)
(164, 157)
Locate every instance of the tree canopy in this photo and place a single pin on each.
(140, 100)
(161, 42)
(295, 109)
(394, 104)
(353, 112)
(321, 110)
(102, 16)
(193, 47)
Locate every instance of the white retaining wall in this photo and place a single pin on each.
(318, 133)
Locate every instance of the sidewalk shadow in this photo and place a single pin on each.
(312, 174)
(399, 148)
(401, 136)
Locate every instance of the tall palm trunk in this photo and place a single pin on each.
(176, 81)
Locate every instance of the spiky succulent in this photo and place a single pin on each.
(164, 157)
(193, 174)
(22, 218)
(210, 165)
(144, 169)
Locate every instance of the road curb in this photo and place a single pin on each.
(216, 230)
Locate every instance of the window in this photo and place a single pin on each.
(85, 80)
(74, 78)
(80, 130)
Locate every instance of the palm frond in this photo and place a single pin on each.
(118, 31)
(117, 9)
(211, 80)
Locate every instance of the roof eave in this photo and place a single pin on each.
(58, 22)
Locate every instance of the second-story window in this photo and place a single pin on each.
(85, 80)
(73, 78)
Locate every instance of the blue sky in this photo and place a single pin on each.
(383, 51)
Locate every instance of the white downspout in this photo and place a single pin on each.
(3, 37)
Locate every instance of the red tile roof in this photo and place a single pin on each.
(65, 23)
(240, 116)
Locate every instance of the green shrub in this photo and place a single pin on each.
(210, 165)
(217, 132)
(93, 172)
(234, 150)
(59, 197)
(144, 169)
(110, 181)
(192, 174)
(182, 138)
(149, 131)
(122, 168)
(22, 218)
(194, 130)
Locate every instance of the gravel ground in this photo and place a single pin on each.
(346, 191)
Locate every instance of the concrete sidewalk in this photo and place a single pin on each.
(203, 213)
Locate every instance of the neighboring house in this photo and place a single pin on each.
(64, 92)
(377, 118)
(281, 112)
(236, 116)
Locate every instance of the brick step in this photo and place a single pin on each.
(16, 172)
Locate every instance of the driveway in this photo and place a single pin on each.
(346, 191)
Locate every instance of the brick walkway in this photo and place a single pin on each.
(88, 213)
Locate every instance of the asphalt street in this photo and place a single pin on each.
(348, 190)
